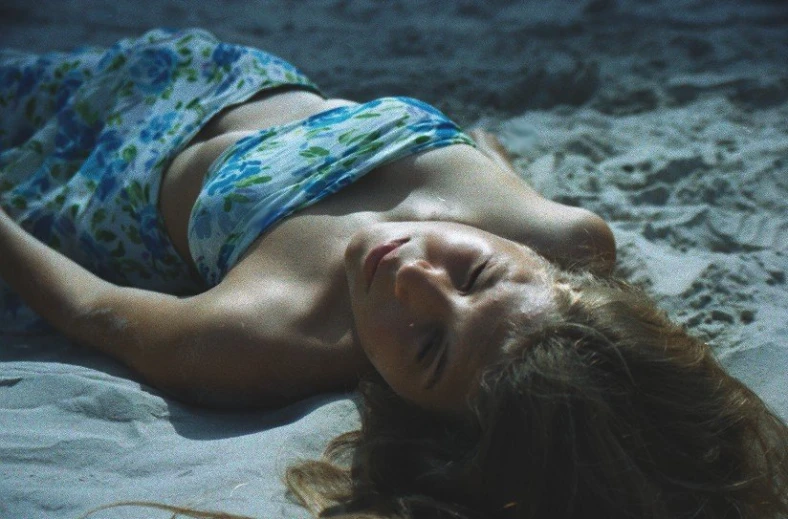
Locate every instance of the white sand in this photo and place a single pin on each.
(696, 196)
(668, 117)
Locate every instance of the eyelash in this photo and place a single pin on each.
(474, 276)
(435, 339)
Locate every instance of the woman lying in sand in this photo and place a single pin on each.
(185, 184)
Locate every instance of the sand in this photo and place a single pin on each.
(669, 118)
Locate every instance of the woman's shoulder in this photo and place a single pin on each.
(478, 190)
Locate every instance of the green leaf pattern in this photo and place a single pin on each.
(275, 172)
(86, 135)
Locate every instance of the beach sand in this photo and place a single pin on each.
(669, 118)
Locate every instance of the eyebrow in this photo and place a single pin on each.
(491, 272)
(494, 271)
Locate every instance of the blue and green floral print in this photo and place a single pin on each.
(277, 171)
(86, 135)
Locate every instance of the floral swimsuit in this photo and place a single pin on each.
(85, 137)
(278, 171)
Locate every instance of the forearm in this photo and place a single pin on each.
(57, 288)
(189, 347)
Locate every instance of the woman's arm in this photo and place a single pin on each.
(489, 144)
(51, 284)
(572, 237)
(218, 351)
(122, 322)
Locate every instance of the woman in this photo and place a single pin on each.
(185, 184)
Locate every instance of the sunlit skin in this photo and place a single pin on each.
(437, 309)
(282, 325)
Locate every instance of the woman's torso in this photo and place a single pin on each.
(183, 180)
(315, 284)
(298, 262)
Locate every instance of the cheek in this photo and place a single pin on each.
(381, 343)
(373, 335)
(377, 318)
(383, 356)
(384, 332)
(387, 346)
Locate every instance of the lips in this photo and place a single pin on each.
(376, 255)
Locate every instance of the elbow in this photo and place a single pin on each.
(592, 243)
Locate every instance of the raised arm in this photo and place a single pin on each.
(572, 237)
(208, 350)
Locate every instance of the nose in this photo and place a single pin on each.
(423, 287)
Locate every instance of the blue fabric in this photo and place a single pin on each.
(85, 137)
(277, 171)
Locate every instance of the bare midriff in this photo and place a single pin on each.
(183, 180)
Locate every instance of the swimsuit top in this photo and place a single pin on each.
(265, 177)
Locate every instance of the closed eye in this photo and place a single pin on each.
(474, 276)
(429, 345)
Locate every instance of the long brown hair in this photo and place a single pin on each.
(605, 409)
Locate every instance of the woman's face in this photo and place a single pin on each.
(432, 302)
